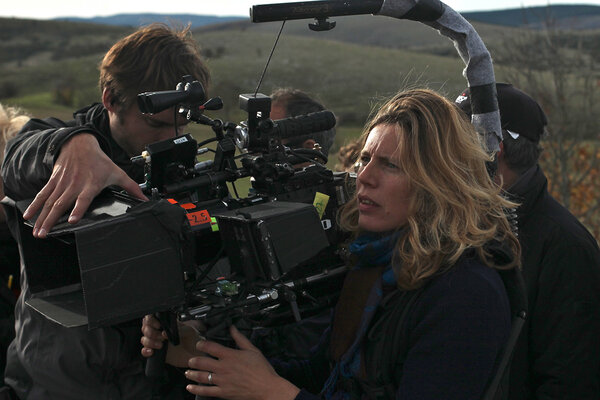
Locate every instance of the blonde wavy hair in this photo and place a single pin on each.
(12, 120)
(456, 206)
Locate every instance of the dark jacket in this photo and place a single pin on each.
(9, 272)
(455, 331)
(558, 353)
(47, 360)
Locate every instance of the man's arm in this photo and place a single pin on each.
(29, 157)
(62, 167)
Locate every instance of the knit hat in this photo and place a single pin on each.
(520, 115)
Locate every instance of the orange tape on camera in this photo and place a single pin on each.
(195, 218)
(199, 217)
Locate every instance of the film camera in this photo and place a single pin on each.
(194, 250)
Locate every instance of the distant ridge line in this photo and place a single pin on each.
(563, 14)
(573, 16)
(146, 18)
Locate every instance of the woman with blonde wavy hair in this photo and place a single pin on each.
(453, 204)
(430, 233)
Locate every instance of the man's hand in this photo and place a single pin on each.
(80, 173)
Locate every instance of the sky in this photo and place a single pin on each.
(45, 9)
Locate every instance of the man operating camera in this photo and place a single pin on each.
(65, 165)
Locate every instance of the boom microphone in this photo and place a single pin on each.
(313, 9)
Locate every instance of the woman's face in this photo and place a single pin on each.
(383, 189)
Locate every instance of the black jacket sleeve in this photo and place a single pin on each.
(30, 156)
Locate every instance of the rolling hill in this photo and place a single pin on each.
(346, 76)
(51, 66)
(144, 19)
(575, 17)
(570, 16)
(370, 31)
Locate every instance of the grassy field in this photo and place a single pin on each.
(349, 79)
(376, 31)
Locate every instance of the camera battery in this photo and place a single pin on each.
(266, 241)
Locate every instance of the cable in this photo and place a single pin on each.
(269, 59)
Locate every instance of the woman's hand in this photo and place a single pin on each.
(154, 338)
(236, 374)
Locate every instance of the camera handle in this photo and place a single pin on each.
(155, 364)
(290, 297)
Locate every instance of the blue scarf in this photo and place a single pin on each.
(371, 250)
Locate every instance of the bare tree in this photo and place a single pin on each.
(560, 69)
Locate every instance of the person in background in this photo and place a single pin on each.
(348, 156)
(63, 166)
(430, 234)
(558, 352)
(287, 102)
(12, 120)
